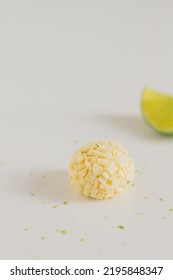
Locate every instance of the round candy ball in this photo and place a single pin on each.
(101, 169)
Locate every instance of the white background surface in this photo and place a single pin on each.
(72, 72)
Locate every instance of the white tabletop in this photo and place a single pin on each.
(72, 72)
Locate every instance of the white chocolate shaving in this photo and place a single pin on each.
(101, 169)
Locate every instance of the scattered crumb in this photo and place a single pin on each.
(55, 206)
(64, 202)
(63, 231)
(128, 182)
(138, 171)
(31, 173)
(44, 176)
(26, 229)
(105, 217)
(134, 209)
(76, 141)
(146, 197)
(163, 218)
(42, 237)
(133, 185)
(32, 194)
(4, 187)
(112, 226)
(74, 216)
(171, 209)
(2, 162)
(121, 227)
(141, 214)
(122, 243)
(57, 229)
(161, 199)
(82, 239)
(46, 202)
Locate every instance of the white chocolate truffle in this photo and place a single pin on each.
(101, 169)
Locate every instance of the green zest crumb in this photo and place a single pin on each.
(26, 229)
(121, 227)
(64, 202)
(82, 239)
(55, 206)
(63, 231)
(31, 173)
(171, 209)
(42, 237)
(161, 199)
(163, 218)
(138, 171)
(146, 197)
(128, 182)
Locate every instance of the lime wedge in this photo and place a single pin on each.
(157, 110)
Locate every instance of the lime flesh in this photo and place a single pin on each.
(157, 109)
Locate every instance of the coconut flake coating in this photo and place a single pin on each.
(101, 169)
